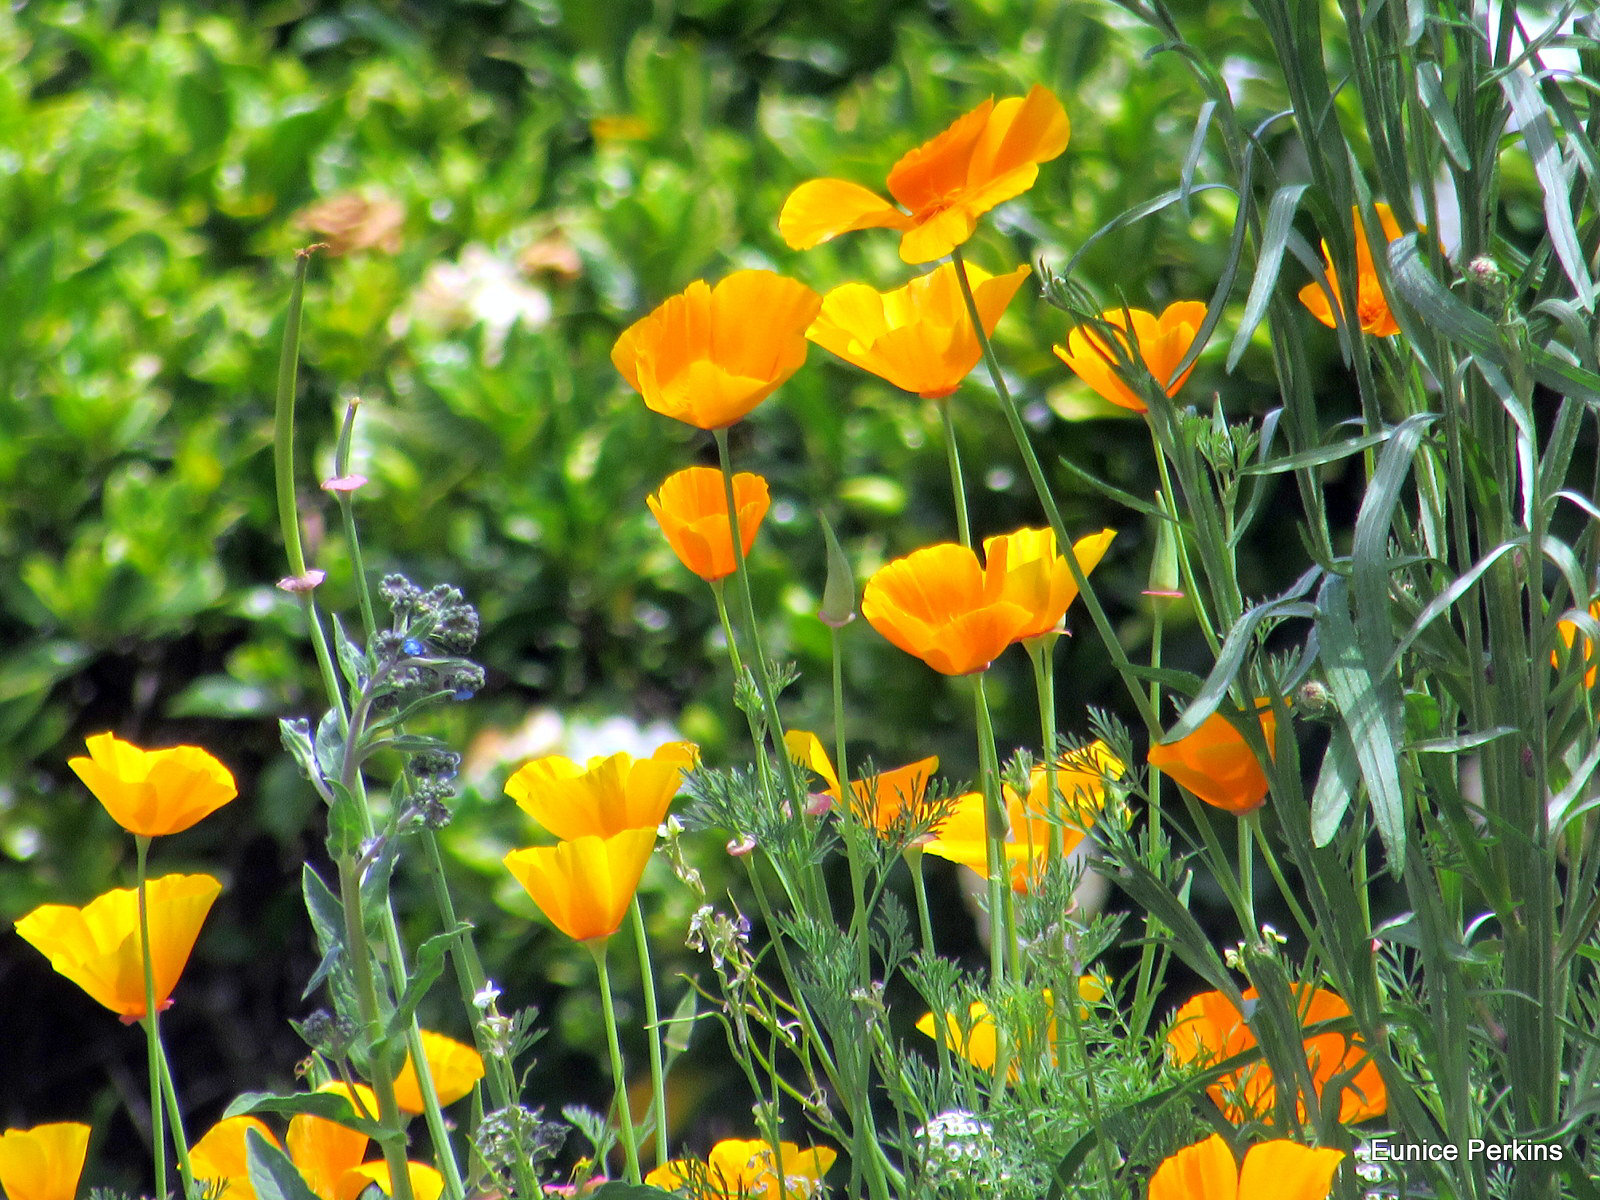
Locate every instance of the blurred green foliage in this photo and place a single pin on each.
(534, 175)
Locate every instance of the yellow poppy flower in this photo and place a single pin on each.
(321, 1149)
(1162, 343)
(426, 1183)
(1040, 580)
(985, 158)
(604, 797)
(918, 337)
(692, 510)
(1277, 1170)
(1209, 1029)
(980, 1043)
(962, 837)
(737, 1168)
(585, 885)
(221, 1156)
(43, 1163)
(710, 355)
(938, 604)
(453, 1066)
(878, 801)
(1372, 309)
(97, 946)
(153, 792)
(1216, 763)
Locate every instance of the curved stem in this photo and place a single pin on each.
(630, 1143)
(652, 1017)
(158, 1132)
(957, 481)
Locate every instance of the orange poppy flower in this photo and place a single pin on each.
(98, 946)
(918, 337)
(938, 604)
(878, 801)
(988, 156)
(604, 797)
(1162, 343)
(1039, 579)
(710, 355)
(153, 792)
(43, 1163)
(1372, 309)
(1568, 631)
(980, 1045)
(737, 1168)
(585, 885)
(692, 510)
(1217, 765)
(453, 1067)
(1209, 1029)
(962, 837)
(1277, 1170)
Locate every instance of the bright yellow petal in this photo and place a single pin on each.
(822, 209)
(1204, 1171)
(153, 792)
(426, 1183)
(937, 169)
(1021, 131)
(44, 1162)
(1284, 1170)
(454, 1067)
(584, 886)
(223, 1155)
(879, 800)
(806, 749)
(323, 1150)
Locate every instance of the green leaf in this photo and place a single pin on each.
(1550, 168)
(296, 735)
(429, 966)
(1430, 89)
(839, 592)
(329, 1105)
(1240, 639)
(1438, 310)
(1338, 780)
(346, 829)
(272, 1174)
(1361, 700)
(327, 922)
(352, 661)
(1280, 222)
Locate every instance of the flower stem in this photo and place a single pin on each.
(858, 909)
(1044, 682)
(1091, 602)
(283, 473)
(158, 1132)
(957, 481)
(919, 887)
(652, 1017)
(341, 468)
(630, 1144)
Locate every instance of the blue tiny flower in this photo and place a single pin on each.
(413, 647)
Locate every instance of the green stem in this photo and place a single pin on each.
(472, 981)
(858, 908)
(957, 481)
(652, 1017)
(347, 515)
(393, 1138)
(180, 1141)
(283, 473)
(1247, 879)
(630, 1144)
(919, 887)
(1039, 652)
(1019, 432)
(158, 1132)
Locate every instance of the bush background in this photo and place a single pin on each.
(154, 173)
